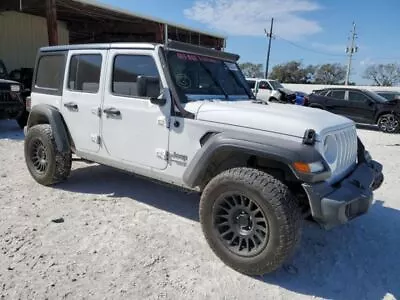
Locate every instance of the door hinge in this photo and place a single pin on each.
(96, 139)
(96, 111)
(162, 153)
(163, 121)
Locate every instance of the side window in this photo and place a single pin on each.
(50, 72)
(264, 86)
(357, 97)
(126, 70)
(322, 92)
(84, 73)
(339, 95)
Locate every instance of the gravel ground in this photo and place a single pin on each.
(108, 235)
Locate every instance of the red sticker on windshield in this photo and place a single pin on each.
(192, 57)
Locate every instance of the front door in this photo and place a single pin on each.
(362, 108)
(84, 82)
(133, 129)
(264, 90)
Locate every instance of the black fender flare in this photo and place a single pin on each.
(47, 114)
(281, 150)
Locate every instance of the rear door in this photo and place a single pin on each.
(82, 96)
(336, 102)
(361, 107)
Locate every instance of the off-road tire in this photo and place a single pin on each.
(278, 205)
(58, 164)
(389, 128)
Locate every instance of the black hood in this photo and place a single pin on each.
(5, 84)
(394, 102)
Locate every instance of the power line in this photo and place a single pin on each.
(309, 49)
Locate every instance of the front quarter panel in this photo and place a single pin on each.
(277, 149)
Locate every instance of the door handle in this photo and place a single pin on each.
(112, 111)
(71, 105)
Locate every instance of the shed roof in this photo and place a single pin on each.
(145, 17)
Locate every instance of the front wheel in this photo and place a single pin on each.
(250, 220)
(45, 163)
(389, 123)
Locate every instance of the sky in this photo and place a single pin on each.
(311, 31)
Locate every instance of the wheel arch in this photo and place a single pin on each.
(221, 152)
(47, 114)
(381, 113)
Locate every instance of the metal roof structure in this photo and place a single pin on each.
(157, 20)
(90, 21)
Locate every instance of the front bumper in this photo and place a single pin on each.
(346, 200)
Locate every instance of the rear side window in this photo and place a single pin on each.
(336, 94)
(320, 92)
(50, 72)
(126, 70)
(84, 73)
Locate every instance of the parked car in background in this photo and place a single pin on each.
(362, 106)
(12, 103)
(271, 90)
(389, 95)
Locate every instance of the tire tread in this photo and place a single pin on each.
(284, 204)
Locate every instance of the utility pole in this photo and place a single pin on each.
(51, 15)
(351, 50)
(269, 35)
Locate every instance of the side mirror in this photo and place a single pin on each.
(148, 86)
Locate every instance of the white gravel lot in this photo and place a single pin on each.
(128, 238)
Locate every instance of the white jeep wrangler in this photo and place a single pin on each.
(184, 115)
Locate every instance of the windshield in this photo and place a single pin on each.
(276, 84)
(199, 77)
(389, 95)
(375, 96)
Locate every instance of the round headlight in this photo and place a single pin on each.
(330, 149)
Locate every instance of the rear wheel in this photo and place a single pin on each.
(45, 163)
(250, 220)
(389, 123)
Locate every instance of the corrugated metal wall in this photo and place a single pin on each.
(20, 37)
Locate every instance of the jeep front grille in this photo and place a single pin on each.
(347, 152)
(6, 98)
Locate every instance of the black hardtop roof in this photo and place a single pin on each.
(171, 45)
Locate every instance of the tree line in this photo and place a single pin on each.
(330, 74)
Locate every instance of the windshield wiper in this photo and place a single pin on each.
(216, 82)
